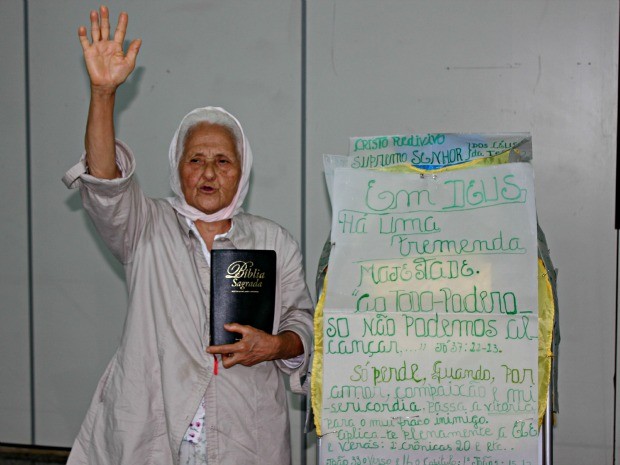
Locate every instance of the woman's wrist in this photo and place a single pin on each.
(103, 92)
(289, 345)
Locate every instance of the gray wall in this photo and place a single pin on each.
(549, 67)
(14, 279)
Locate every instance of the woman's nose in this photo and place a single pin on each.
(209, 171)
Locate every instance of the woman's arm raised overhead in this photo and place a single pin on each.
(108, 67)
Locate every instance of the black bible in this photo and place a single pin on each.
(243, 290)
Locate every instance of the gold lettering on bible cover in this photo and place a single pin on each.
(245, 277)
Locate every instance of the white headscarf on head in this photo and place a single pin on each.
(213, 115)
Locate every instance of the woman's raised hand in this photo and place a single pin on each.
(107, 64)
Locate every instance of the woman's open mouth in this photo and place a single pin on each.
(207, 189)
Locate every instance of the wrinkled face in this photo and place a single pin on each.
(209, 168)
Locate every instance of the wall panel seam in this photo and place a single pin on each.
(304, 251)
(29, 217)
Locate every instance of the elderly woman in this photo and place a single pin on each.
(162, 399)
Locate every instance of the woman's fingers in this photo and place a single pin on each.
(121, 28)
(105, 23)
(82, 35)
(100, 32)
(100, 26)
(95, 32)
(134, 48)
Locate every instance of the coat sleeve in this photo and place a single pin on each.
(117, 207)
(297, 312)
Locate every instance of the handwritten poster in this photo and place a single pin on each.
(430, 319)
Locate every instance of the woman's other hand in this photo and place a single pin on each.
(256, 346)
(107, 64)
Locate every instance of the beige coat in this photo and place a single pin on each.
(152, 387)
